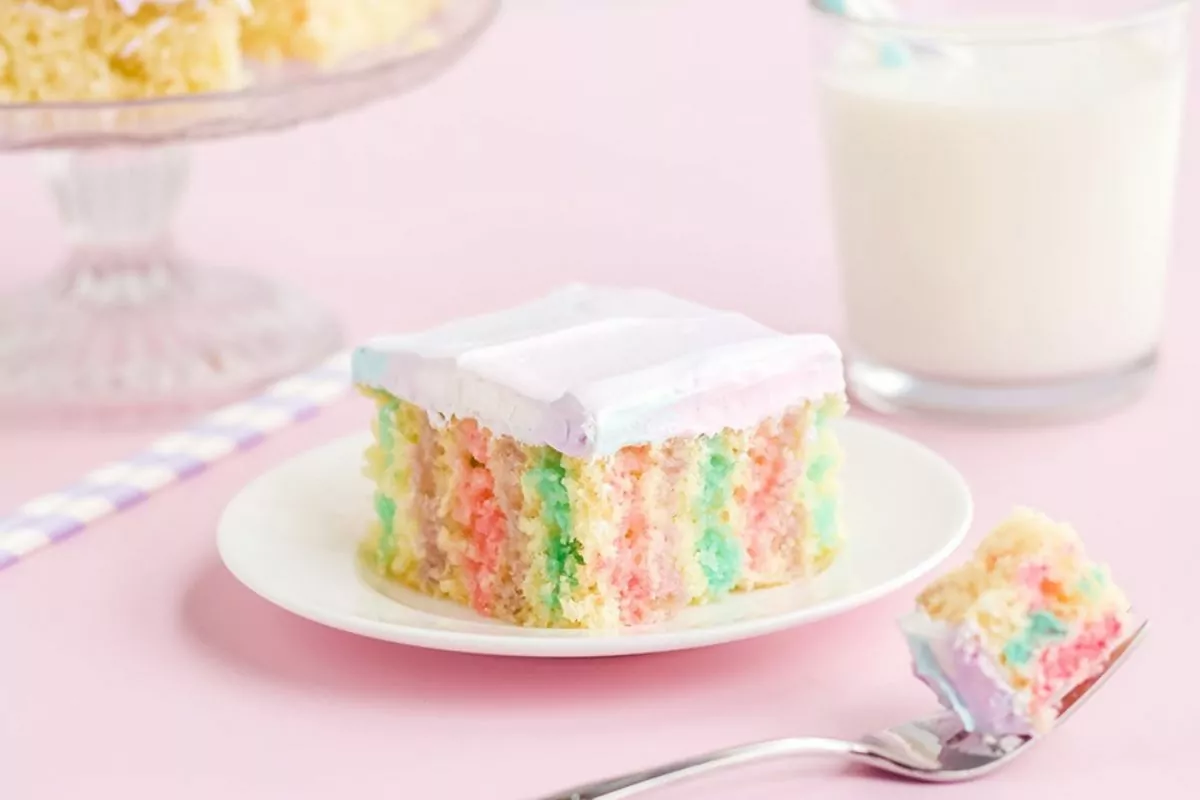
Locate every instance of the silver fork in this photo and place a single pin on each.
(936, 749)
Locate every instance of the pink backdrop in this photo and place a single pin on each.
(667, 142)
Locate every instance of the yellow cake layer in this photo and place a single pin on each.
(61, 50)
(65, 50)
(1028, 560)
(326, 31)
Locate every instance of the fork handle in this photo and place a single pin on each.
(656, 778)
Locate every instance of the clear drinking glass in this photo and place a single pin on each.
(1002, 178)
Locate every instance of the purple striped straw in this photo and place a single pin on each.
(176, 457)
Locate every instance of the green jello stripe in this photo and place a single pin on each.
(720, 555)
(385, 506)
(820, 467)
(1043, 628)
(563, 553)
(825, 520)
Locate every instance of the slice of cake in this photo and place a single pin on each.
(327, 31)
(601, 458)
(1004, 638)
(63, 50)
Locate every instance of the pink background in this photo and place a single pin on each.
(667, 142)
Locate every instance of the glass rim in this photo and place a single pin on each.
(987, 32)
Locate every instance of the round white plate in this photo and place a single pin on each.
(291, 537)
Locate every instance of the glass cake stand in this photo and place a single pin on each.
(128, 327)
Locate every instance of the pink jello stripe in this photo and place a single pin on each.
(766, 481)
(485, 521)
(631, 571)
(672, 570)
(1059, 664)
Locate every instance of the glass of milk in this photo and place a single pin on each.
(1002, 179)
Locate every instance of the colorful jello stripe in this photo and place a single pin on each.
(1043, 629)
(563, 557)
(820, 488)
(385, 506)
(768, 476)
(527, 534)
(120, 485)
(1059, 665)
(719, 551)
(634, 572)
(484, 521)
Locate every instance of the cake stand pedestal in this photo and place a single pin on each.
(129, 328)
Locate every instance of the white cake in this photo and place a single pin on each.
(601, 457)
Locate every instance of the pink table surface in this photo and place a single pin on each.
(665, 142)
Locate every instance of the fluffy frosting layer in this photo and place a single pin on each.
(590, 370)
(948, 660)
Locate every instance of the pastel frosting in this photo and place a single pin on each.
(589, 370)
(963, 678)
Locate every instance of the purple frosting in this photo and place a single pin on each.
(964, 678)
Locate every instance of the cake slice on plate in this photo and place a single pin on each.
(1004, 638)
(601, 457)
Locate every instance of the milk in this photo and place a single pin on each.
(1004, 214)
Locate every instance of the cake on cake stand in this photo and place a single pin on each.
(129, 327)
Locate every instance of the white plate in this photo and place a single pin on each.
(291, 537)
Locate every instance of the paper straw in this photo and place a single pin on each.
(117, 486)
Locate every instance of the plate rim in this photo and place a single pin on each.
(604, 643)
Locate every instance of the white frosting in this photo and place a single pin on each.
(590, 370)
